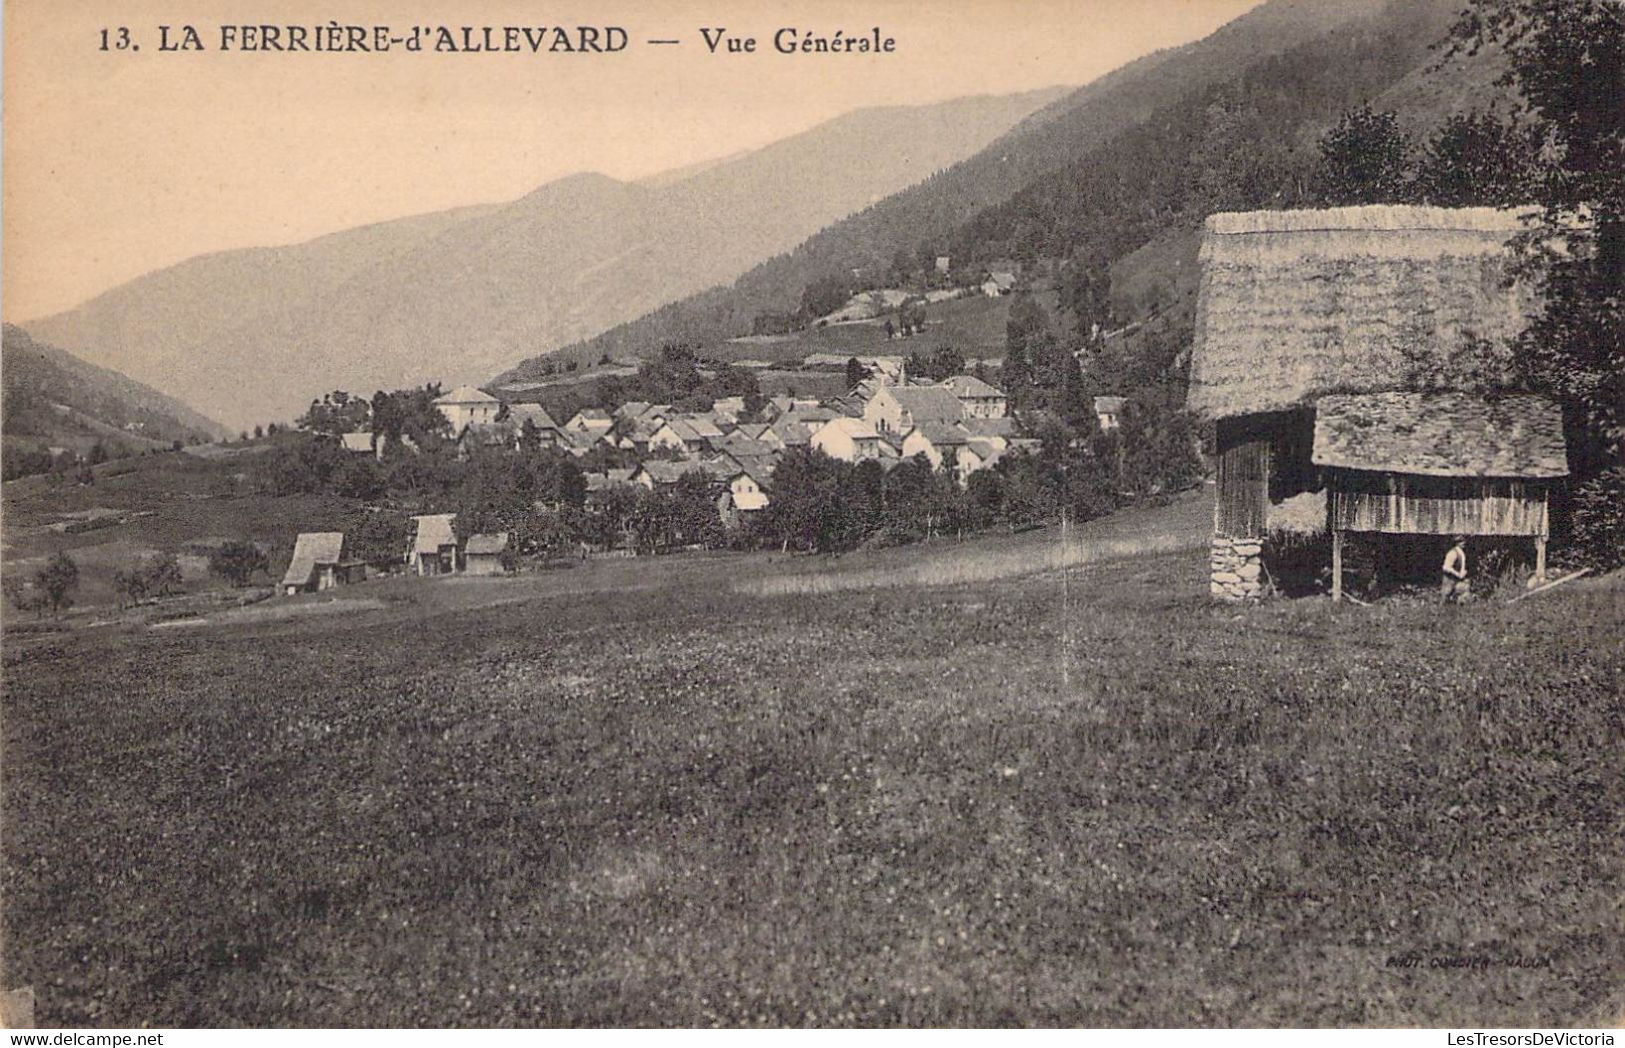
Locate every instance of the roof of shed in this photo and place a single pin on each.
(310, 549)
(1296, 304)
(1441, 434)
(433, 531)
(487, 544)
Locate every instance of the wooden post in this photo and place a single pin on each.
(1540, 558)
(1337, 565)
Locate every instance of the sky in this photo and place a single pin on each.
(119, 162)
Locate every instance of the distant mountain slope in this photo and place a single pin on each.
(254, 335)
(1064, 134)
(53, 397)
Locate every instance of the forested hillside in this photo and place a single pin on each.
(1229, 122)
(54, 399)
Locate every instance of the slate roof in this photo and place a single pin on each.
(466, 395)
(533, 413)
(970, 387)
(941, 434)
(928, 403)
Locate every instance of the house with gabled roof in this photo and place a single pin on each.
(1109, 412)
(935, 440)
(899, 409)
(466, 405)
(676, 434)
(548, 432)
(493, 436)
(847, 439)
(590, 420)
(977, 399)
(659, 474)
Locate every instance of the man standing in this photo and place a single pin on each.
(1453, 586)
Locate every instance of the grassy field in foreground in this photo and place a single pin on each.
(978, 803)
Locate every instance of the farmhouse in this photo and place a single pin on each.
(977, 398)
(466, 406)
(315, 564)
(935, 440)
(547, 431)
(486, 554)
(676, 435)
(847, 439)
(743, 496)
(1352, 355)
(434, 545)
(590, 420)
(898, 409)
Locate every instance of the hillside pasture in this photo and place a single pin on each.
(630, 793)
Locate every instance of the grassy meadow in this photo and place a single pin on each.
(690, 790)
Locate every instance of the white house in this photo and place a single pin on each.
(466, 406)
(934, 440)
(590, 420)
(898, 409)
(847, 439)
(976, 398)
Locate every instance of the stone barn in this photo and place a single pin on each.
(1358, 360)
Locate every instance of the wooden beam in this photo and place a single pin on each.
(1540, 557)
(1337, 565)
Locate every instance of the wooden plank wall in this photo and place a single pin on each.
(1405, 504)
(1242, 480)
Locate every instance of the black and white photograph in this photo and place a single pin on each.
(812, 514)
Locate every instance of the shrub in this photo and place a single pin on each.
(56, 582)
(238, 561)
(1597, 519)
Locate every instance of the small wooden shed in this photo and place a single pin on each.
(1346, 353)
(434, 544)
(315, 563)
(486, 554)
(1438, 464)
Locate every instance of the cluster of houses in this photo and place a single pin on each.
(961, 423)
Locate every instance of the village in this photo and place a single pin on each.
(1142, 554)
(959, 426)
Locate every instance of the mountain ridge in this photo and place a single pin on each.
(458, 294)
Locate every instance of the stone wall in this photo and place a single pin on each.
(1236, 568)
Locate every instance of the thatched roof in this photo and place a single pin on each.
(1296, 304)
(1441, 434)
(310, 549)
